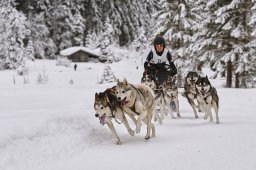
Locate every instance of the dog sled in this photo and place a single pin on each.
(160, 72)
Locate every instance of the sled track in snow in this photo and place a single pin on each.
(57, 138)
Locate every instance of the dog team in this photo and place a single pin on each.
(140, 102)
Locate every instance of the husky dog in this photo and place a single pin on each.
(170, 90)
(148, 80)
(107, 108)
(190, 90)
(140, 99)
(207, 98)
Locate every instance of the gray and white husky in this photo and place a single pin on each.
(140, 99)
(207, 98)
(170, 90)
(108, 108)
(190, 90)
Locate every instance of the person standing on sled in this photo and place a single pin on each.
(157, 58)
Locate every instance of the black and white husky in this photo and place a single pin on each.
(207, 98)
(108, 108)
(190, 90)
(140, 99)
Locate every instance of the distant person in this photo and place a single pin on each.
(75, 67)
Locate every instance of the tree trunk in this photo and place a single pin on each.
(237, 80)
(179, 78)
(243, 80)
(229, 74)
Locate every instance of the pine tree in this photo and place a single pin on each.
(92, 40)
(106, 41)
(223, 38)
(30, 50)
(107, 76)
(13, 33)
(66, 24)
(249, 61)
(44, 46)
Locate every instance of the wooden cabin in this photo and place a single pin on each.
(79, 54)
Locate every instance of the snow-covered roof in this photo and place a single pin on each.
(72, 50)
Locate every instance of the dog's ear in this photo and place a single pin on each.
(106, 98)
(113, 89)
(125, 82)
(96, 96)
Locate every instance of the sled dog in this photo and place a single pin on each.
(190, 90)
(140, 99)
(170, 90)
(207, 98)
(108, 108)
(148, 80)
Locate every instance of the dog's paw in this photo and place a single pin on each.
(160, 121)
(196, 116)
(218, 122)
(205, 117)
(131, 132)
(147, 137)
(138, 127)
(178, 115)
(119, 142)
(162, 117)
(137, 130)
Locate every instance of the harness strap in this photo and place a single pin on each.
(118, 121)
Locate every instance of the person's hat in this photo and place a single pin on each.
(159, 40)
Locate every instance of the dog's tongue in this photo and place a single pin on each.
(102, 120)
(124, 102)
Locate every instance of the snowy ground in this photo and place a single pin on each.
(53, 127)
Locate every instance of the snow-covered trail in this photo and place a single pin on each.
(53, 127)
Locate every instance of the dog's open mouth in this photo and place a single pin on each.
(102, 119)
(203, 92)
(192, 81)
(124, 101)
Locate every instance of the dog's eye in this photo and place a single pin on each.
(123, 91)
(101, 108)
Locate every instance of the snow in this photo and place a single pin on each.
(52, 126)
(72, 50)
